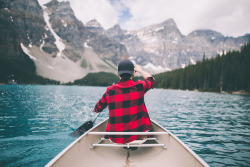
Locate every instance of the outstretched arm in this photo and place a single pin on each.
(143, 73)
(101, 104)
(149, 80)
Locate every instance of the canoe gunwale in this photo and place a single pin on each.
(128, 133)
(73, 143)
(184, 145)
(166, 132)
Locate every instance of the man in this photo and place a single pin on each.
(127, 111)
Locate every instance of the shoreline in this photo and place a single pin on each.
(239, 92)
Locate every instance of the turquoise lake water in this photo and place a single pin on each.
(35, 122)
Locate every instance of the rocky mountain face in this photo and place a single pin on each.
(48, 40)
(15, 31)
(103, 45)
(162, 47)
(64, 25)
(54, 43)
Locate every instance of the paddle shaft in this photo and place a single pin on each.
(93, 120)
(84, 127)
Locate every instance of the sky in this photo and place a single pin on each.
(229, 17)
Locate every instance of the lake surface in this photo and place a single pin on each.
(35, 122)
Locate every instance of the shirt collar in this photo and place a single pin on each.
(126, 83)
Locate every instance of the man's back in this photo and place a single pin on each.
(127, 110)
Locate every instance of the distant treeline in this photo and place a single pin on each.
(12, 72)
(96, 79)
(99, 79)
(229, 72)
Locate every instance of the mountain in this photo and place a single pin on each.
(162, 47)
(224, 73)
(50, 41)
(95, 27)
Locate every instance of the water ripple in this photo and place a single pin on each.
(36, 120)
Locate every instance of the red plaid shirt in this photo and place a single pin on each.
(127, 111)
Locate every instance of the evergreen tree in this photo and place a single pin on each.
(229, 72)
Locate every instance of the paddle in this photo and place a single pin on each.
(83, 128)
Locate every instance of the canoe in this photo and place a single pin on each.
(161, 149)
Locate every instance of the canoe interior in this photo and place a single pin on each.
(79, 153)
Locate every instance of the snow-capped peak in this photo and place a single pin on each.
(93, 23)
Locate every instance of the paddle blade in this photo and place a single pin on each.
(82, 129)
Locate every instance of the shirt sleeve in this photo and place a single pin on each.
(149, 83)
(101, 104)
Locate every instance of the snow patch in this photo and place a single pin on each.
(93, 23)
(192, 61)
(50, 67)
(27, 51)
(42, 46)
(153, 39)
(11, 18)
(213, 38)
(64, 24)
(86, 45)
(139, 34)
(156, 68)
(131, 57)
(127, 33)
(150, 50)
(221, 52)
(59, 44)
(46, 28)
(28, 36)
(174, 41)
(160, 28)
(183, 65)
(30, 45)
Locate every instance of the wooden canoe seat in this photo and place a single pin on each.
(137, 143)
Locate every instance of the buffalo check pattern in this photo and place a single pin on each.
(127, 110)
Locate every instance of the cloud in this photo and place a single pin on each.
(230, 17)
(86, 10)
(101, 10)
(122, 10)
